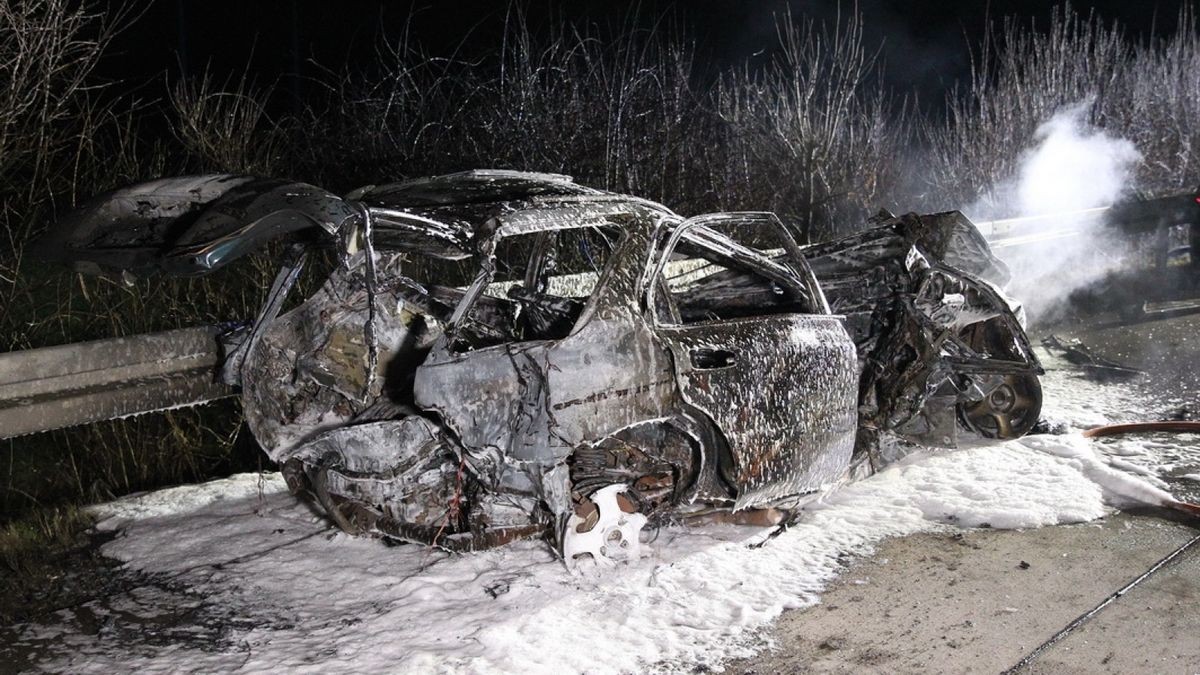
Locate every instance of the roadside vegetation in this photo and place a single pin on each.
(811, 135)
(1147, 93)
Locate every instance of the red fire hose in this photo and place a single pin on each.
(1191, 509)
(1178, 427)
(1172, 426)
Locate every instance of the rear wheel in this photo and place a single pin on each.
(604, 527)
(620, 484)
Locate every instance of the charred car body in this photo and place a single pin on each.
(500, 355)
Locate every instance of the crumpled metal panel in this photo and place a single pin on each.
(954, 241)
(785, 402)
(535, 402)
(630, 380)
(308, 372)
(487, 397)
(934, 339)
(189, 225)
(403, 467)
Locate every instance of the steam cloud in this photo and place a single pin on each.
(1073, 167)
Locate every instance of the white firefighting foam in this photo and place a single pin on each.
(299, 597)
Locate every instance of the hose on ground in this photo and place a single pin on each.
(1173, 426)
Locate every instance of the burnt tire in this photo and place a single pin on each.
(1009, 411)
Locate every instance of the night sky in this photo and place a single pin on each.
(925, 44)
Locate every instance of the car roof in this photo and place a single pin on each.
(479, 186)
(446, 216)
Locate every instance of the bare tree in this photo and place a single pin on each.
(614, 107)
(813, 137)
(48, 50)
(1159, 107)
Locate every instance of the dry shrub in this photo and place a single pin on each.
(63, 137)
(812, 137)
(1159, 108)
(225, 127)
(615, 108)
(48, 50)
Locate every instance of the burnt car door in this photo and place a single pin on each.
(756, 349)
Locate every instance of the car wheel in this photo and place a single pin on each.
(605, 528)
(1008, 411)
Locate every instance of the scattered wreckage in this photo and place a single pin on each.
(1087, 360)
(500, 355)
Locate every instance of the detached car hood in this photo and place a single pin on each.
(193, 225)
(189, 225)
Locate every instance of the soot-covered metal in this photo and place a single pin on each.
(502, 355)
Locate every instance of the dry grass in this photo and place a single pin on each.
(26, 543)
(225, 126)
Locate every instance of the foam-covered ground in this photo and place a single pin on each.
(240, 577)
(1074, 402)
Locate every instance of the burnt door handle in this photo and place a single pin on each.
(709, 359)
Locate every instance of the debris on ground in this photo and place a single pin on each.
(1091, 363)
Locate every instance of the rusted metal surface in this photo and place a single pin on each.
(501, 355)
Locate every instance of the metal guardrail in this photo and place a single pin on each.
(56, 387)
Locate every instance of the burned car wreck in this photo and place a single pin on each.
(500, 355)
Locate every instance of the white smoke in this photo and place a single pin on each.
(1071, 168)
(1074, 167)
